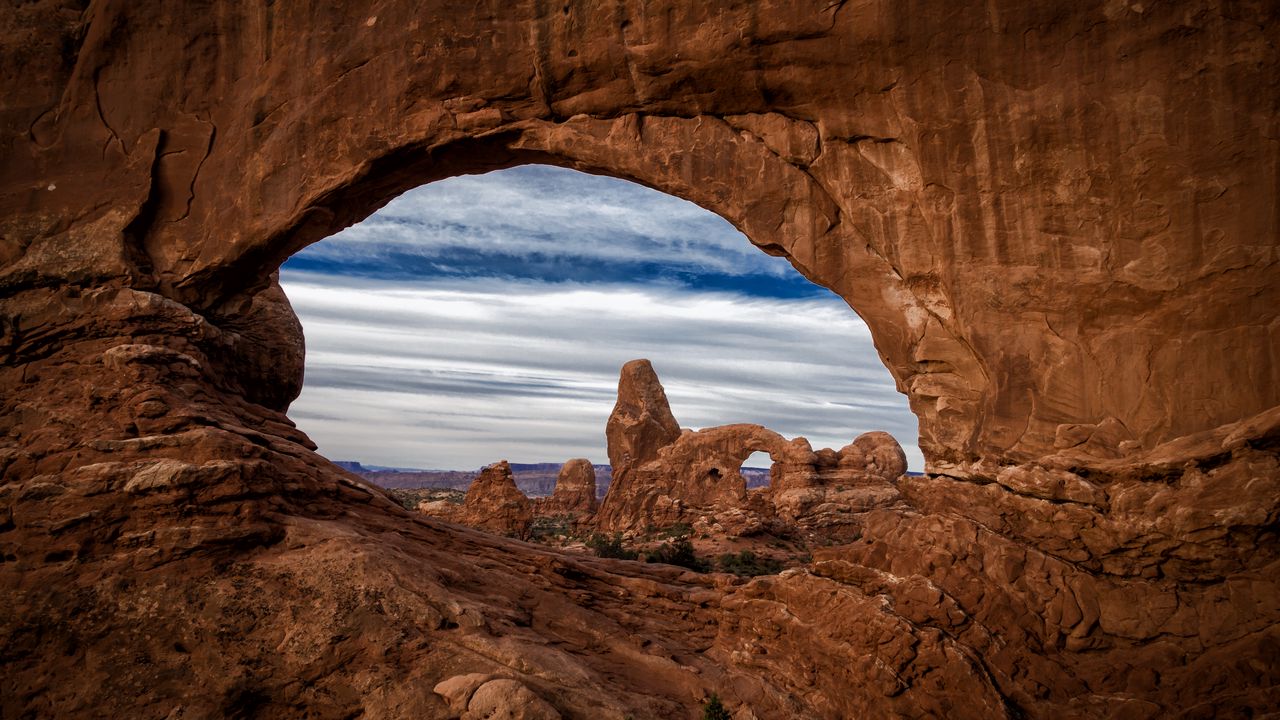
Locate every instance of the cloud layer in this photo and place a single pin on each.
(546, 223)
(426, 364)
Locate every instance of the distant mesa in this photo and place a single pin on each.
(352, 466)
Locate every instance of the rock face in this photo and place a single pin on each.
(575, 492)
(1058, 219)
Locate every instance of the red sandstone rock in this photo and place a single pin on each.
(874, 454)
(494, 503)
(641, 423)
(575, 492)
(696, 478)
(1058, 220)
(478, 696)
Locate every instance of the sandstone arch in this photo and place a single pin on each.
(806, 177)
(1059, 220)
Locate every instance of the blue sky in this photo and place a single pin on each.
(485, 317)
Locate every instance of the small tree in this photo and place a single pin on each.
(713, 709)
(610, 547)
(748, 564)
(677, 551)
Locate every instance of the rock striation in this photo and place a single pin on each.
(1058, 220)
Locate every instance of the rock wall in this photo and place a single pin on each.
(1059, 221)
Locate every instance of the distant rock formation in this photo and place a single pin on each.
(493, 503)
(662, 477)
(575, 491)
(641, 423)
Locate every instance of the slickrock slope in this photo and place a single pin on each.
(1059, 220)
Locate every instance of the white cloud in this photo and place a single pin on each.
(457, 374)
(535, 209)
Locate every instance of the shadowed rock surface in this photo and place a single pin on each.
(1058, 219)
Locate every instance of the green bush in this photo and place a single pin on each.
(545, 528)
(713, 709)
(610, 547)
(748, 564)
(680, 529)
(677, 551)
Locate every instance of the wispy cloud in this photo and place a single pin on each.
(455, 374)
(546, 223)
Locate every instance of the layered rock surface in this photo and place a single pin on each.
(1059, 221)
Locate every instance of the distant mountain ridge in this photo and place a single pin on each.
(533, 479)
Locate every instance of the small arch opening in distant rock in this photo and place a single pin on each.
(756, 470)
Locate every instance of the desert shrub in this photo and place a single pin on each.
(748, 564)
(544, 528)
(610, 547)
(680, 529)
(713, 709)
(677, 551)
(410, 497)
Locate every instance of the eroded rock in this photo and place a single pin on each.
(575, 491)
(696, 478)
(641, 423)
(494, 503)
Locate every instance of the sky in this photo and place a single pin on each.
(486, 317)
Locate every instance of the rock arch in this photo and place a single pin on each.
(1058, 219)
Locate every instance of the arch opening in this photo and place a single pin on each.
(756, 469)
(488, 260)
